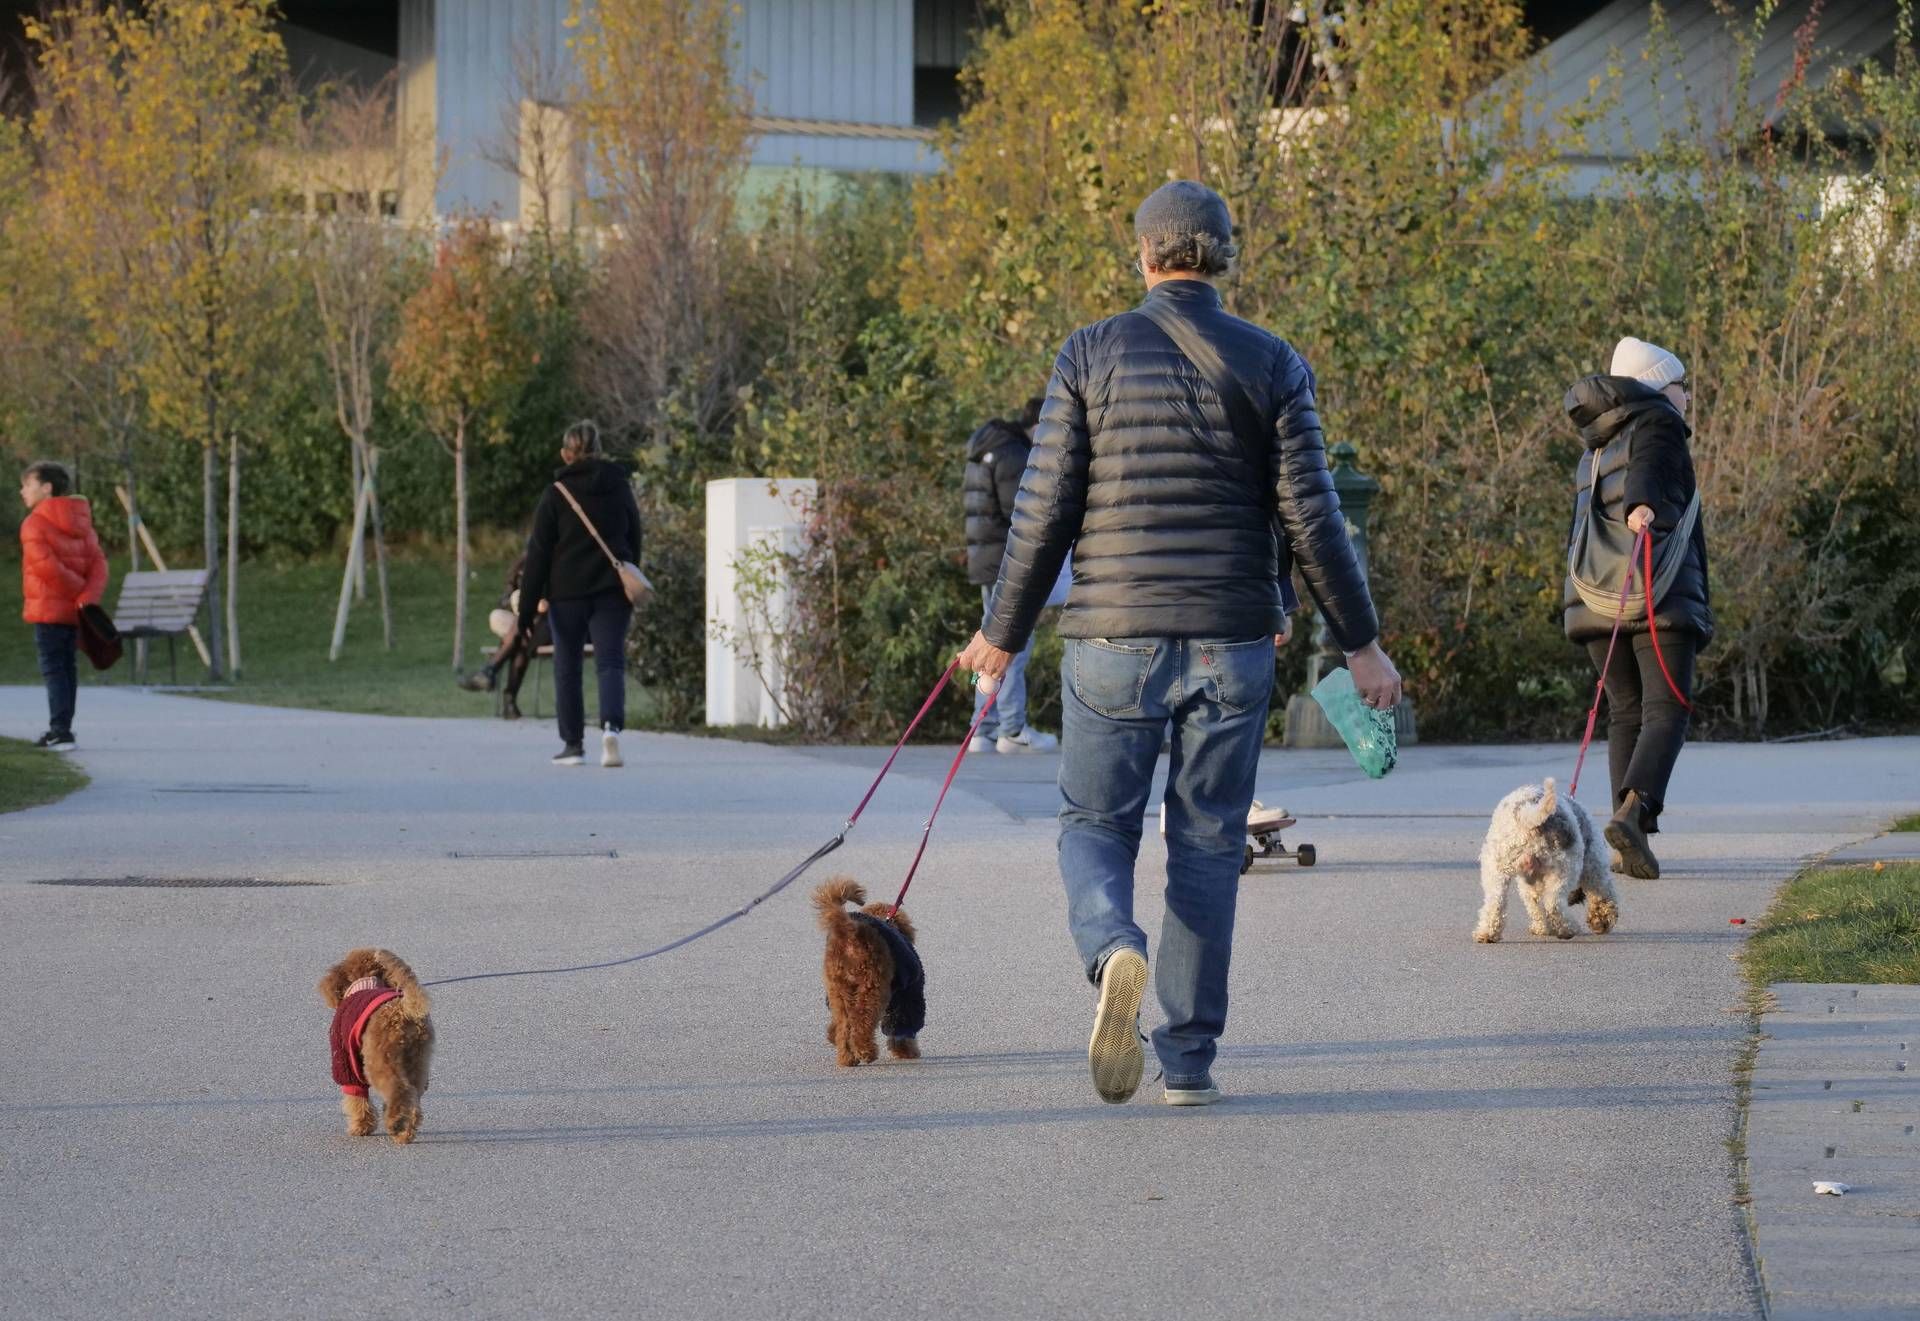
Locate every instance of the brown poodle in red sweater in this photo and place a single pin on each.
(381, 1039)
(874, 977)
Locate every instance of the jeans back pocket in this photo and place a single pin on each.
(1241, 672)
(1111, 677)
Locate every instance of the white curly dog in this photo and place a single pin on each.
(1548, 848)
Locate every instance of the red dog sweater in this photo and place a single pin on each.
(349, 1024)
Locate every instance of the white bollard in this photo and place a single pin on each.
(743, 512)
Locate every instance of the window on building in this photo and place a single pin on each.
(942, 38)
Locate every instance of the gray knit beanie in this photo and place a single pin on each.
(1183, 207)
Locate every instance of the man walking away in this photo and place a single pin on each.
(996, 457)
(1177, 602)
(61, 569)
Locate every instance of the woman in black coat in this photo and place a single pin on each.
(585, 601)
(1633, 421)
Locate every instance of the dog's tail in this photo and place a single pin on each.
(832, 897)
(1537, 815)
(414, 1001)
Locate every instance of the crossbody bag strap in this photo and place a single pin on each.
(1207, 361)
(592, 531)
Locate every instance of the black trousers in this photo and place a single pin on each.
(603, 621)
(1646, 724)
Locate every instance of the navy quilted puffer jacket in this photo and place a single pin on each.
(1135, 467)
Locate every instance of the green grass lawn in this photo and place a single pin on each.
(1841, 924)
(1906, 823)
(30, 776)
(286, 622)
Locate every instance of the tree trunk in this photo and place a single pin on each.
(233, 557)
(460, 547)
(210, 547)
(354, 566)
(379, 544)
(357, 553)
(133, 543)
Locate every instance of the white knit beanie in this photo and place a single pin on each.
(1647, 363)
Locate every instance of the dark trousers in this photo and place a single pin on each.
(601, 620)
(522, 658)
(1646, 725)
(56, 644)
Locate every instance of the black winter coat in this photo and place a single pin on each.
(563, 561)
(996, 457)
(1639, 440)
(1136, 468)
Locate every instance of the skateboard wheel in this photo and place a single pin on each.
(1306, 855)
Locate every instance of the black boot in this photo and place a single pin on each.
(1627, 832)
(481, 681)
(510, 708)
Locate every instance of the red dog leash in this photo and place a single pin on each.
(1643, 552)
(993, 694)
(791, 876)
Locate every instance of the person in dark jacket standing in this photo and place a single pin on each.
(61, 569)
(1633, 421)
(996, 457)
(585, 602)
(1171, 623)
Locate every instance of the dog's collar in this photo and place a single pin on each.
(364, 984)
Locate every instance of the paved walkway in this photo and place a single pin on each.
(1419, 1126)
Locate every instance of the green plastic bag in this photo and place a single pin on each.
(1369, 733)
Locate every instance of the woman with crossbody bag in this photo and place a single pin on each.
(1637, 476)
(580, 558)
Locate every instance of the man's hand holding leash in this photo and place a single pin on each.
(985, 661)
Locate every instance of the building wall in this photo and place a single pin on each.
(818, 72)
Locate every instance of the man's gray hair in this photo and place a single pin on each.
(1203, 254)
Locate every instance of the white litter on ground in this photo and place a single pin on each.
(1833, 1189)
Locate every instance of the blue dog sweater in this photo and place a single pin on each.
(907, 996)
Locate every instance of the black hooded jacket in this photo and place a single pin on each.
(996, 456)
(563, 561)
(1639, 440)
(1136, 468)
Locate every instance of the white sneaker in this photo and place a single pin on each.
(1208, 1095)
(1027, 740)
(979, 743)
(1114, 1054)
(610, 749)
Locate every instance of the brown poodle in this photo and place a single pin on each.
(381, 1038)
(873, 974)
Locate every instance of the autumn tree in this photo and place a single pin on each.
(461, 360)
(668, 131)
(76, 250)
(196, 92)
(359, 262)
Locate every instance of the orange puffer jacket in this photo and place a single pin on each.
(61, 565)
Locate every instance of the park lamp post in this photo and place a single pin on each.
(1307, 725)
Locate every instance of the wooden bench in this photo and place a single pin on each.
(160, 605)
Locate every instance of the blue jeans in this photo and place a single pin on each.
(1009, 714)
(56, 643)
(1120, 695)
(602, 620)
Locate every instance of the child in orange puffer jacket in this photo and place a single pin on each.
(61, 569)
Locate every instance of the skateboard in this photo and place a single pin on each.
(1264, 825)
